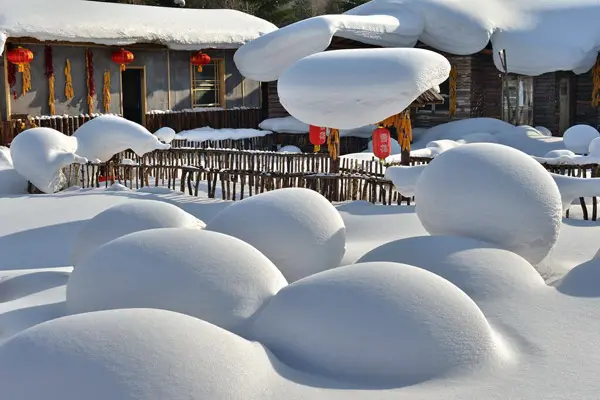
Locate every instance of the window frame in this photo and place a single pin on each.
(438, 109)
(219, 85)
(524, 84)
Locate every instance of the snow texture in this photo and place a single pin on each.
(133, 355)
(11, 182)
(112, 25)
(509, 199)
(165, 134)
(208, 275)
(405, 178)
(412, 325)
(207, 133)
(289, 149)
(582, 281)
(101, 138)
(572, 188)
(292, 125)
(297, 229)
(40, 154)
(127, 218)
(347, 89)
(579, 137)
(482, 270)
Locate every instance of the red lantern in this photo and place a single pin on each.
(381, 143)
(20, 57)
(122, 57)
(199, 60)
(317, 136)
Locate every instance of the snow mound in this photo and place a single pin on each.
(284, 125)
(582, 281)
(559, 154)
(132, 355)
(492, 193)
(405, 178)
(579, 137)
(10, 180)
(40, 154)
(395, 147)
(208, 275)
(545, 131)
(480, 269)
(594, 148)
(267, 57)
(456, 130)
(289, 149)
(571, 188)
(480, 137)
(122, 219)
(296, 228)
(165, 134)
(102, 137)
(117, 187)
(399, 325)
(435, 148)
(16, 287)
(206, 133)
(400, 76)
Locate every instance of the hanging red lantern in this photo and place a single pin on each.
(20, 56)
(317, 136)
(122, 57)
(381, 143)
(199, 60)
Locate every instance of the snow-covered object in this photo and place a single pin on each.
(594, 148)
(348, 89)
(560, 153)
(127, 218)
(180, 3)
(297, 229)
(405, 178)
(292, 125)
(456, 130)
(289, 149)
(394, 147)
(165, 134)
(398, 325)
(480, 137)
(208, 275)
(39, 154)
(491, 193)
(545, 131)
(582, 281)
(11, 182)
(571, 188)
(481, 270)
(133, 355)
(264, 59)
(206, 133)
(102, 137)
(578, 138)
(435, 148)
(111, 24)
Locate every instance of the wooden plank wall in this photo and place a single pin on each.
(276, 110)
(584, 112)
(546, 105)
(486, 87)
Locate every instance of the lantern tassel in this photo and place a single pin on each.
(199, 68)
(123, 67)
(317, 148)
(21, 68)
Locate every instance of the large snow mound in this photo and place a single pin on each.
(206, 133)
(290, 124)
(399, 325)
(165, 134)
(348, 89)
(492, 193)
(297, 229)
(102, 137)
(132, 355)
(481, 270)
(582, 281)
(571, 188)
(208, 275)
(579, 137)
(111, 24)
(405, 178)
(264, 59)
(11, 182)
(126, 218)
(40, 154)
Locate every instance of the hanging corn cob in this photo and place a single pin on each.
(404, 129)
(333, 143)
(106, 91)
(69, 92)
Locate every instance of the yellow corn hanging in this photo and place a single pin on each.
(404, 130)
(106, 91)
(452, 84)
(69, 92)
(90, 100)
(51, 94)
(596, 77)
(26, 86)
(333, 143)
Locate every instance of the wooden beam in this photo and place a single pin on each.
(8, 98)
(168, 79)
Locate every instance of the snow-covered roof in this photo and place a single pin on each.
(124, 24)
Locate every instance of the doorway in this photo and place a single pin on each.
(133, 89)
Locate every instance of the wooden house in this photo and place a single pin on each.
(77, 48)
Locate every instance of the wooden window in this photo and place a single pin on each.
(519, 99)
(443, 108)
(208, 86)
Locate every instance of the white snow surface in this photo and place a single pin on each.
(572, 188)
(292, 125)
(208, 275)
(516, 202)
(127, 218)
(207, 133)
(405, 178)
(39, 154)
(101, 138)
(111, 24)
(289, 149)
(412, 325)
(348, 89)
(305, 233)
(579, 137)
(11, 182)
(165, 134)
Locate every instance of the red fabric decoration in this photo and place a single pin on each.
(199, 60)
(381, 143)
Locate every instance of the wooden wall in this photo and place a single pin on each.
(546, 101)
(584, 112)
(486, 87)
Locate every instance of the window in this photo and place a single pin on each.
(520, 99)
(208, 85)
(439, 108)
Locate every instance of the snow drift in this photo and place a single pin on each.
(10, 180)
(40, 154)
(348, 89)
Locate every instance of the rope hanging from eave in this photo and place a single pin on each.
(452, 85)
